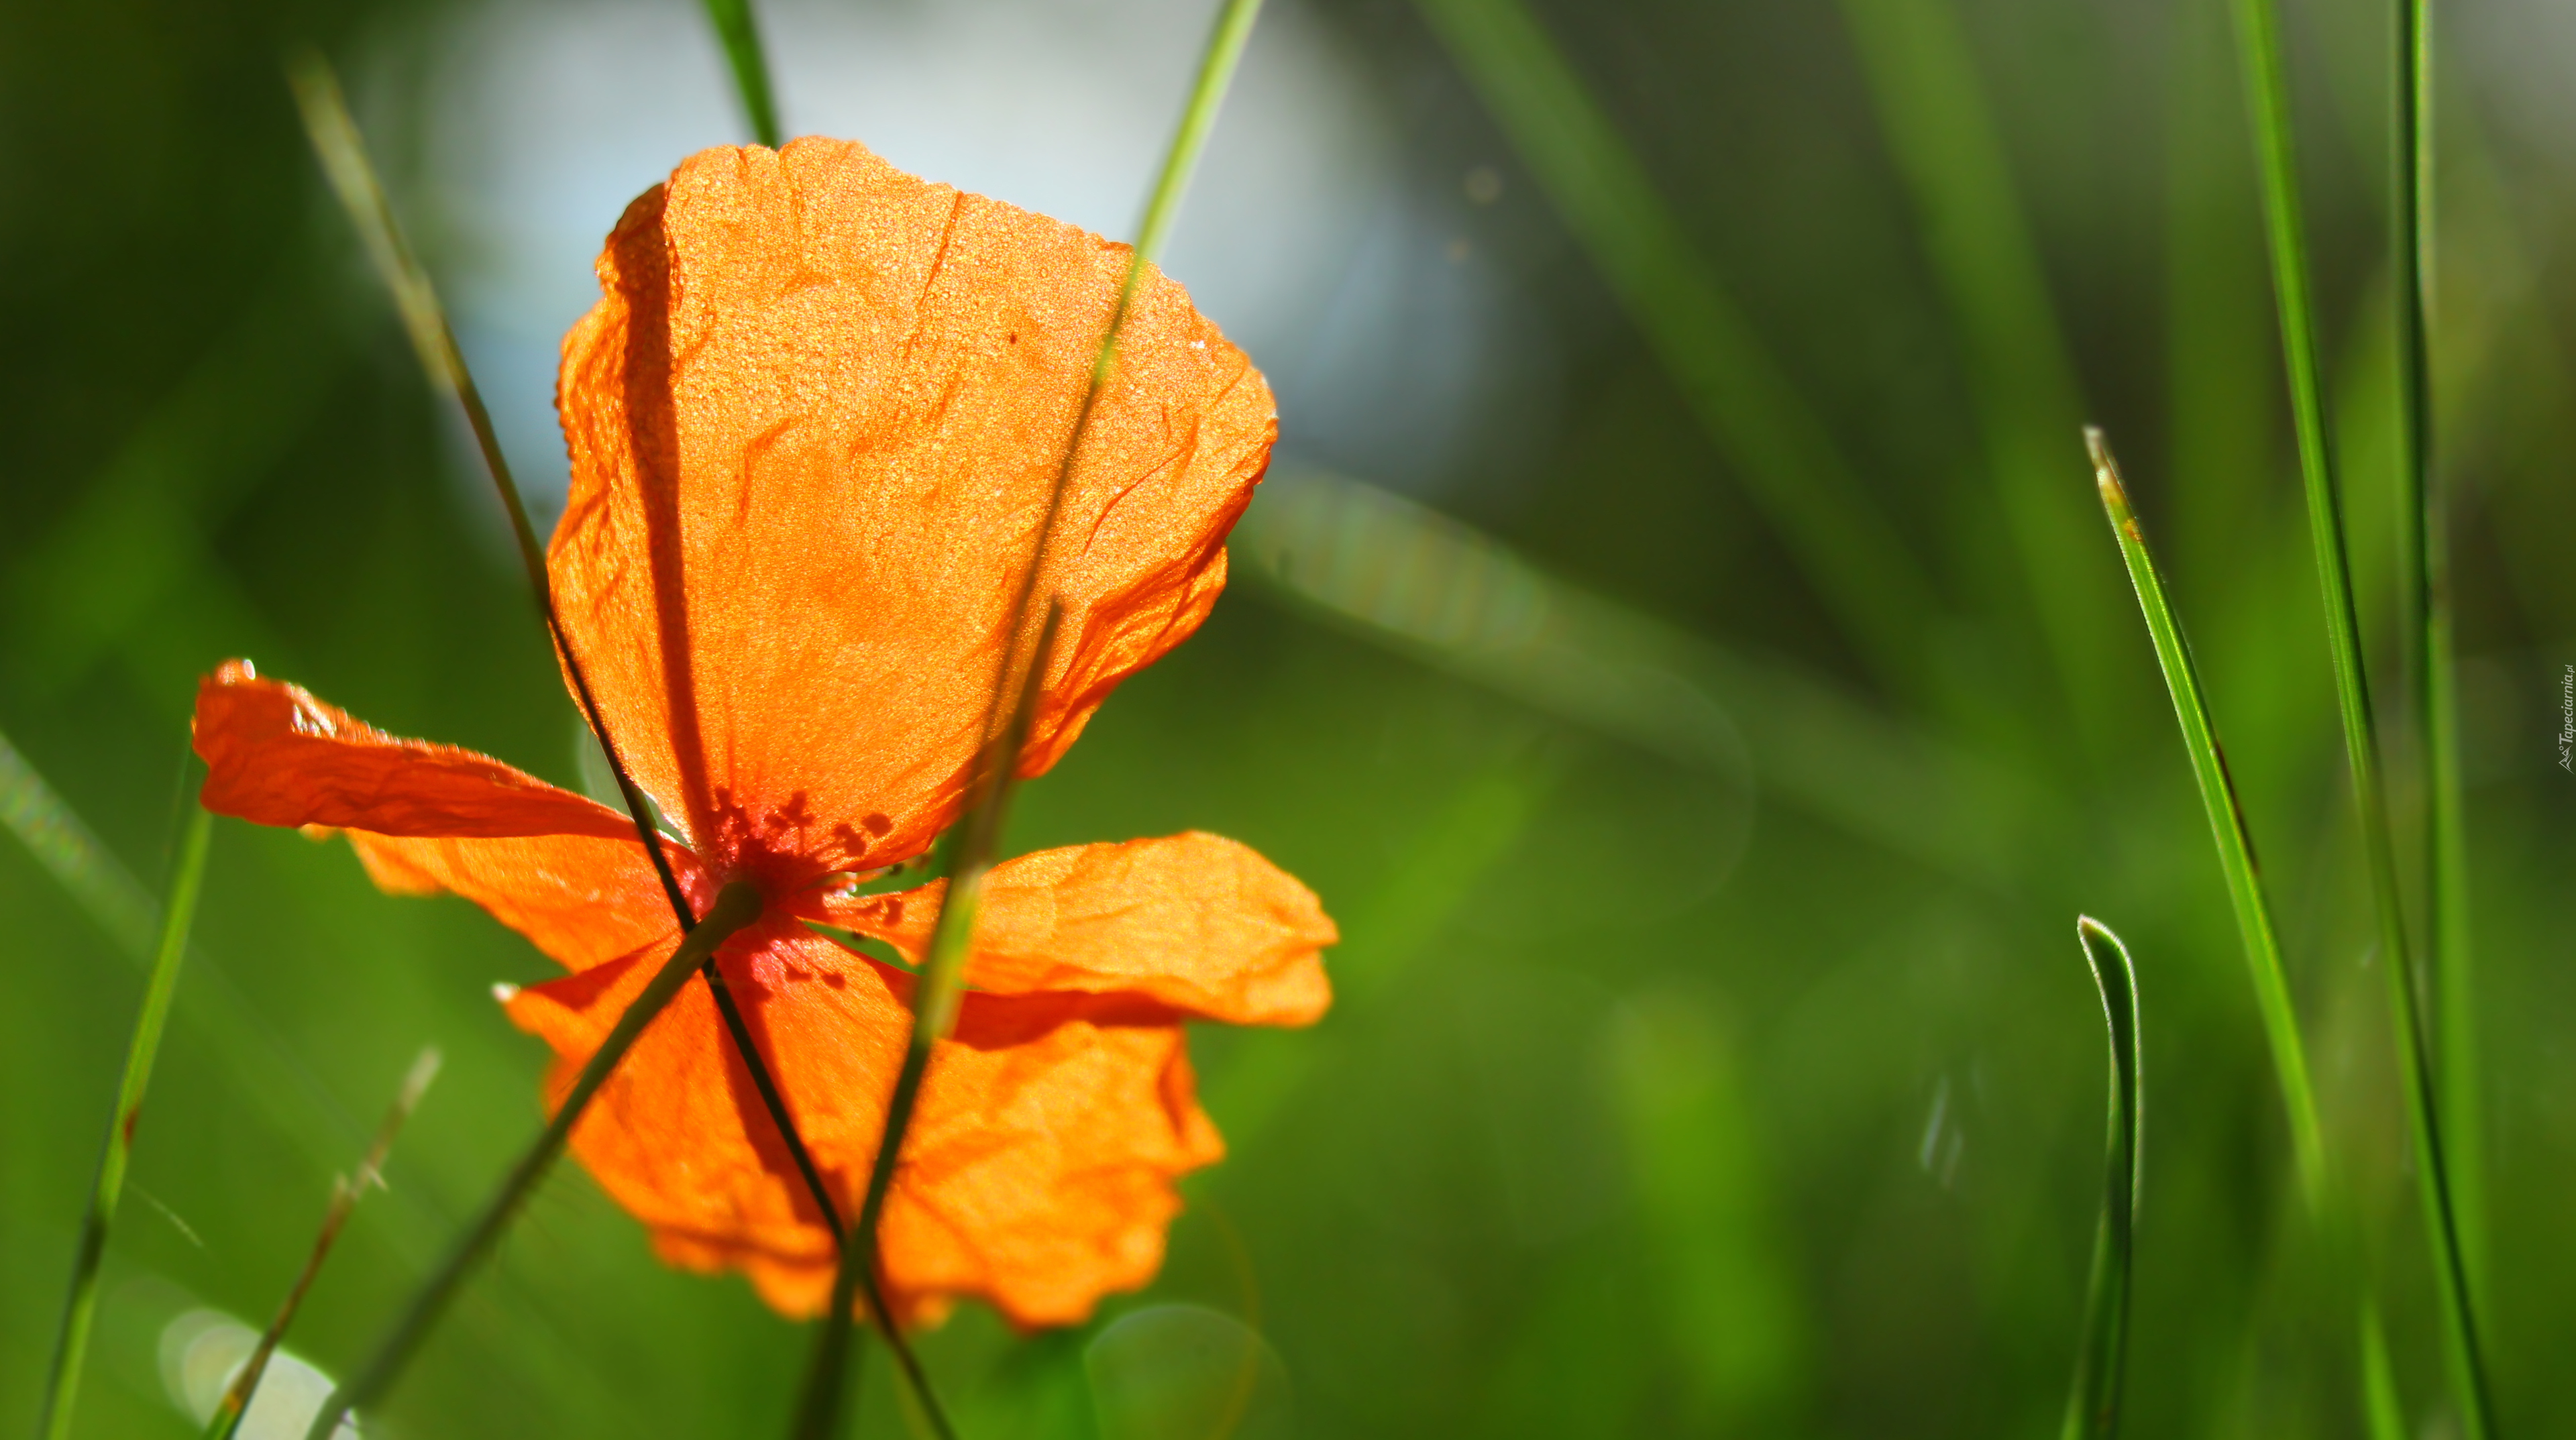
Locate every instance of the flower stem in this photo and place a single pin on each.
(2267, 84)
(71, 1345)
(2093, 1409)
(737, 905)
(345, 1194)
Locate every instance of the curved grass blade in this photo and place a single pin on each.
(2093, 1409)
(1743, 397)
(739, 29)
(2267, 86)
(178, 913)
(345, 1193)
(1006, 721)
(2227, 827)
(344, 157)
(737, 905)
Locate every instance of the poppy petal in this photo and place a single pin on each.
(1195, 921)
(1038, 1171)
(814, 423)
(584, 901)
(563, 870)
(277, 756)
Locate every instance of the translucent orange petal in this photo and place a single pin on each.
(1039, 1170)
(277, 756)
(564, 871)
(1195, 921)
(814, 422)
(582, 900)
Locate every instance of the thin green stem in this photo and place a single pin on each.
(1223, 57)
(939, 988)
(737, 905)
(739, 29)
(2425, 538)
(2227, 828)
(178, 913)
(344, 158)
(346, 1191)
(937, 992)
(2093, 1407)
(2267, 84)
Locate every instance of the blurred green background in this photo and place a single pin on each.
(1678, 641)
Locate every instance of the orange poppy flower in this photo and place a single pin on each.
(814, 423)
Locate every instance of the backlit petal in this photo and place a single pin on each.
(582, 900)
(814, 423)
(1039, 1170)
(1196, 921)
(563, 870)
(276, 756)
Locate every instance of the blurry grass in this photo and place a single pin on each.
(346, 1191)
(101, 581)
(1782, 451)
(1704, 1184)
(72, 855)
(1933, 113)
(343, 153)
(2093, 1408)
(2383, 1410)
(1445, 593)
(178, 913)
(2267, 87)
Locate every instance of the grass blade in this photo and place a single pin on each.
(178, 912)
(740, 31)
(942, 975)
(2227, 827)
(2267, 84)
(1784, 452)
(737, 905)
(345, 1194)
(1938, 128)
(2383, 1413)
(2424, 541)
(2093, 1409)
(936, 995)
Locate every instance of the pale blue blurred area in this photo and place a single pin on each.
(1396, 348)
